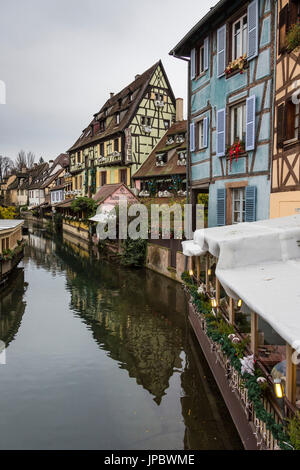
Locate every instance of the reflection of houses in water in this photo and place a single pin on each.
(12, 306)
(142, 338)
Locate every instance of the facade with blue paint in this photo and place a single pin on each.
(231, 91)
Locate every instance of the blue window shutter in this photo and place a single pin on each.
(253, 28)
(221, 51)
(221, 128)
(192, 137)
(193, 63)
(250, 203)
(221, 207)
(206, 53)
(205, 132)
(250, 123)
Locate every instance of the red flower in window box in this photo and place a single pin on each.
(235, 150)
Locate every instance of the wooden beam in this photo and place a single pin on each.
(198, 268)
(231, 311)
(291, 369)
(218, 291)
(206, 271)
(254, 332)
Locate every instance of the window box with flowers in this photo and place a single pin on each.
(236, 150)
(237, 65)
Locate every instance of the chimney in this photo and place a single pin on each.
(111, 94)
(35, 165)
(24, 169)
(179, 109)
(137, 76)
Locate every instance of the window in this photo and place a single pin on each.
(238, 205)
(102, 125)
(166, 123)
(146, 121)
(103, 178)
(116, 145)
(288, 123)
(123, 176)
(5, 244)
(200, 64)
(200, 134)
(239, 37)
(102, 149)
(78, 157)
(159, 96)
(238, 123)
(118, 118)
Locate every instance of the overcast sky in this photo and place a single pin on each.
(61, 58)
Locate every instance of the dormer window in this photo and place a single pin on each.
(130, 96)
(120, 102)
(180, 139)
(181, 159)
(170, 141)
(118, 118)
(161, 159)
(102, 125)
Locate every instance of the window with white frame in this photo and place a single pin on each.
(238, 123)
(201, 60)
(200, 134)
(240, 37)
(238, 205)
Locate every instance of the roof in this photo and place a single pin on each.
(63, 160)
(34, 173)
(121, 103)
(51, 178)
(149, 168)
(108, 190)
(213, 17)
(259, 262)
(6, 224)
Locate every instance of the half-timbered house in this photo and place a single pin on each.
(285, 192)
(230, 53)
(122, 134)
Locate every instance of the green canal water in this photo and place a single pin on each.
(101, 357)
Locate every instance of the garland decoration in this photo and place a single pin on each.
(235, 353)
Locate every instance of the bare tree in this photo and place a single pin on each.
(21, 161)
(6, 165)
(30, 160)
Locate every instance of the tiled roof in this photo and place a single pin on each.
(149, 168)
(118, 103)
(108, 189)
(63, 160)
(51, 178)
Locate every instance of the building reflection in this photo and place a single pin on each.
(12, 306)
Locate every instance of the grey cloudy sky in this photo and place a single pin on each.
(61, 58)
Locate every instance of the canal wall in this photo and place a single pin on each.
(161, 260)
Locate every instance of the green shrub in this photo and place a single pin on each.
(134, 252)
(294, 431)
(293, 38)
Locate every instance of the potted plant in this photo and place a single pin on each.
(238, 64)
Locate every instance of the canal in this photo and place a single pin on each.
(102, 357)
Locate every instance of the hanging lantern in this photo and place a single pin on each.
(279, 388)
(239, 303)
(209, 272)
(214, 303)
(191, 272)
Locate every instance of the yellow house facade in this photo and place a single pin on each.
(285, 191)
(123, 133)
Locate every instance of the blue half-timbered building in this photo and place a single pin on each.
(230, 53)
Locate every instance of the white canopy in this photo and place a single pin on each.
(105, 213)
(259, 262)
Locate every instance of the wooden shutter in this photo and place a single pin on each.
(283, 28)
(221, 128)
(206, 53)
(253, 28)
(205, 132)
(280, 124)
(192, 137)
(193, 63)
(250, 203)
(221, 51)
(250, 123)
(221, 207)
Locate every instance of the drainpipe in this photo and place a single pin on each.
(273, 97)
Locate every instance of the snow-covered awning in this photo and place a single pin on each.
(259, 262)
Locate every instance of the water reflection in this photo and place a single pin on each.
(137, 318)
(12, 306)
